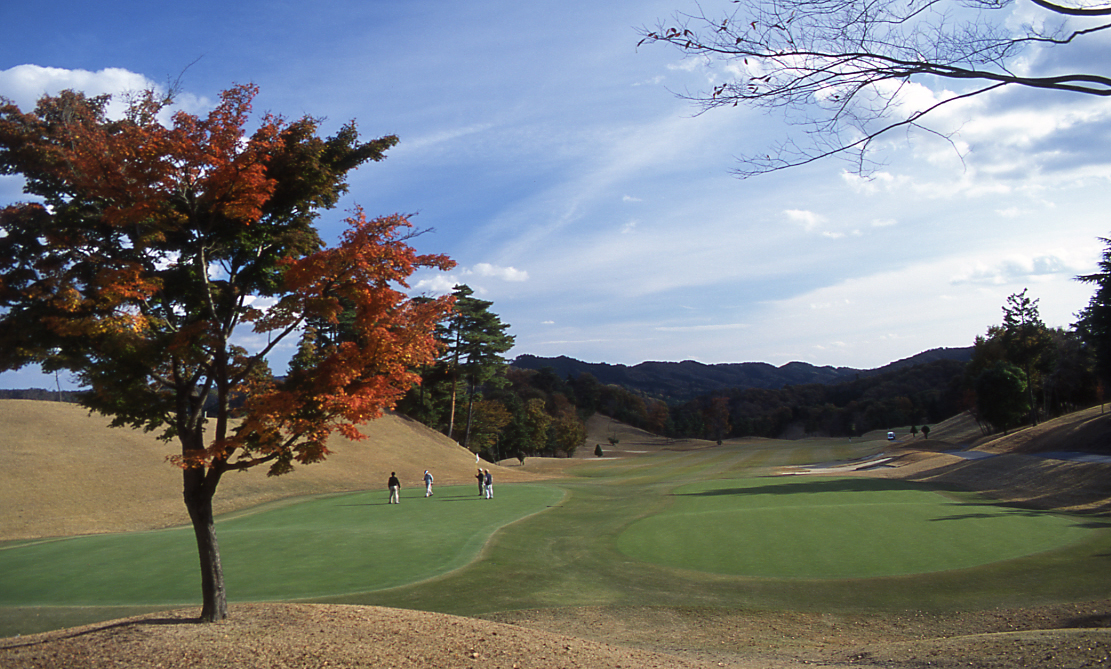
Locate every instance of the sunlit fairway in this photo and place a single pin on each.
(705, 528)
(818, 527)
(325, 546)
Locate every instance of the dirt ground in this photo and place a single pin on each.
(294, 635)
(302, 635)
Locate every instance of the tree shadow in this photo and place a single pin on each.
(980, 516)
(1096, 525)
(93, 629)
(1095, 620)
(811, 486)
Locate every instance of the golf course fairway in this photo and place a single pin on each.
(820, 527)
(311, 548)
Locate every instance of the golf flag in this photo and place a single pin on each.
(476, 458)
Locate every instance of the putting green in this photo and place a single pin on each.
(798, 527)
(319, 547)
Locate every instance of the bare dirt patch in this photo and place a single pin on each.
(302, 635)
(1074, 635)
(290, 635)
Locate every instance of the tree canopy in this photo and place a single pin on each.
(838, 69)
(163, 263)
(1095, 320)
(473, 340)
(1001, 395)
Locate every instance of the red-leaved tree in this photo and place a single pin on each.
(148, 245)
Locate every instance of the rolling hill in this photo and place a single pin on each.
(688, 379)
(65, 472)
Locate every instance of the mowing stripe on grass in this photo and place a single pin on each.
(319, 547)
(790, 527)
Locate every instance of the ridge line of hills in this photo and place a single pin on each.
(689, 379)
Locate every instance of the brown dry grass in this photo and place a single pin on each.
(299, 635)
(64, 472)
(1016, 473)
(90, 488)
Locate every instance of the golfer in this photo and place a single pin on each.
(489, 485)
(395, 488)
(427, 484)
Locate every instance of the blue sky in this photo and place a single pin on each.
(556, 165)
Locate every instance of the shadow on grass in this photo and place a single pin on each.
(810, 486)
(1011, 511)
(417, 500)
(1096, 525)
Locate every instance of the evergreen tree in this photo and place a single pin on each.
(1028, 343)
(1094, 325)
(475, 339)
(1001, 397)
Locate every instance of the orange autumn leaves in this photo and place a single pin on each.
(157, 245)
(349, 382)
(162, 177)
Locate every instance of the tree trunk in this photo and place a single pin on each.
(451, 414)
(470, 418)
(198, 500)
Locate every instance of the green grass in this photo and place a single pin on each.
(836, 528)
(324, 546)
(689, 529)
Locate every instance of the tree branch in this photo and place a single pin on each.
(829, 61)
(1072, 11)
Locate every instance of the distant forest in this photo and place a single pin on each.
(897, 395)
(915, 395)
(40, 394)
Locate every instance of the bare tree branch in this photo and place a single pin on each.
(837, 68)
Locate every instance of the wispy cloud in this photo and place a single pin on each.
(712, 327)
(1016, 270)
(596, 210)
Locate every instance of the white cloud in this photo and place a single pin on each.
(442, 283)
(617, 198)
(25, 84)
(1015, 270)
(870, 184)
(807, 219)
(437, 284)
(894, 314)
(503, 273)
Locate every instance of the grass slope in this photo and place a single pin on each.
(64, 472)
